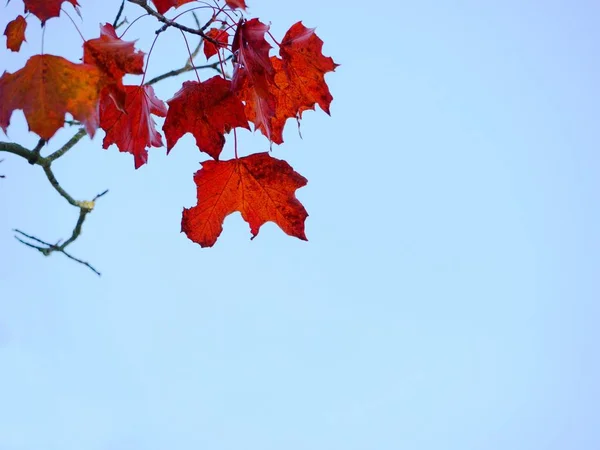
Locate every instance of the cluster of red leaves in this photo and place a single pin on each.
(265, 90)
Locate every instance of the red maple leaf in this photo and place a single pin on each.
(220, 36)
(260, 187)
(114, 57)
(48, 87)
(252, 61)
(162, 6)
(15, 33)
(299, 82)
(236, 4)
(133, 131)
(46, 9)
(208, 110)
(260, 110)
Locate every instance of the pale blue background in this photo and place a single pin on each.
(447, 297)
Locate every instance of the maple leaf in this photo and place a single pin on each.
(301, 50)
(134, 130)
(251, 52)
(48, 87)
(260, 187)
(162, 6)
(15, 33)
(208, 110)
(220, 36)
(236, 4)
(46, 9)
(299, 82)
(114, 57)
(260, 110)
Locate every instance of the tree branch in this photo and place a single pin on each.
(186, 68)
(85, 207)
(52, 248)
(116, 21)
(68, 146)
(170, 23)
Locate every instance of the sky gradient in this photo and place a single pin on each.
(447, 297)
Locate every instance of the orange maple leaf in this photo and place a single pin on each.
(208, 110)
(15, 33)
(162, 6)
(301, 51)
(260, 187)
(134, 130)
(114, 57)
(48, 87)
(46, 9)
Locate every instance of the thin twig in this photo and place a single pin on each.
(187, 68)
(116, 21)
(85, 207)
(51, 248)
(68, 146)
(55, 184)
(170, 23)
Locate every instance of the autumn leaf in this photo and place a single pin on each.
(162, 6)
(134, 130)
(260, 187)
(48, 87)
(220, 36)
(301, 51)
(46, 9)
(260, 110)
(236, 4)
(15, 33)
(252, 61)
(299, 82)
(208, 110)
(114, 57)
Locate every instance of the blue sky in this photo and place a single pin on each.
(447, 297)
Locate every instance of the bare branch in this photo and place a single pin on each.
(35, 153)
(65, 148)
(170, 23)
(187, 68)
(50, 248)
(85, 207)
(116, 21)
(55, 184)
(19, 150)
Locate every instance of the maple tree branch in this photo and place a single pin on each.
(186, 68)
(16, 149)
(68, 146)
(171, 23)
(35, 153)
(85, 207)
(116, 21)
(52, 248)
